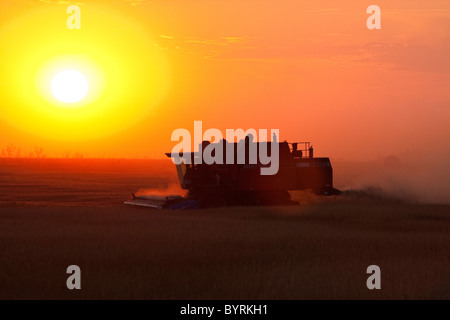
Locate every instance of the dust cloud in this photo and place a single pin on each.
(171, 189)
(426, 181)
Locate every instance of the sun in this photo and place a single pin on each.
(69, 86)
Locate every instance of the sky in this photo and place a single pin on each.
(311, 69)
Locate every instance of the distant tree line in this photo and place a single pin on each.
(12, 151)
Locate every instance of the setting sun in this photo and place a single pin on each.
(80, 84)
(69, 86)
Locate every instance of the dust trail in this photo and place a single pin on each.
(393, 179)
(171, 189)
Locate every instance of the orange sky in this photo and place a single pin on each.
(312, 70)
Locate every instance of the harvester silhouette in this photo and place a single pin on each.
(211, 185)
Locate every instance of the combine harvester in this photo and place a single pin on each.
(212, 185)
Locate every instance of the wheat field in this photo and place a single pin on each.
(54, 214)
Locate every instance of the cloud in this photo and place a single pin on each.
(136, 2)
(57, 2)
(325, 11)
(199, 46)
(68, 2)
(412, 57)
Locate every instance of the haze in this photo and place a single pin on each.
(312, 70)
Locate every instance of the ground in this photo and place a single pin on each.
(56, 213)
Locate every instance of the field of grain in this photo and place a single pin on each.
(56, 213)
